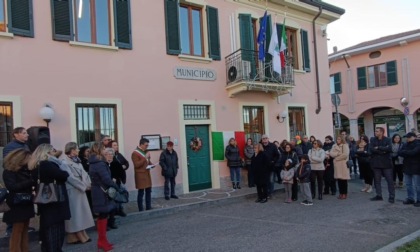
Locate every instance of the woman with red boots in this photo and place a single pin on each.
(101, 180)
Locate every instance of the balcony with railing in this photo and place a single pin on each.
(245, 73)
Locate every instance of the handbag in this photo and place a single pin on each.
(22, 199)
(48, 192)
(3, 193)
(119, 196)
(349, 163)
(4, 207)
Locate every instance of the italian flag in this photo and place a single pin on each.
(221, 139)
(283, 45)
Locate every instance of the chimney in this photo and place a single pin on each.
(335, 49)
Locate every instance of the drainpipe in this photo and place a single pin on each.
(318, 109)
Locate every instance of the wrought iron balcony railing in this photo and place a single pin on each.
(244, 66)
(244, 72)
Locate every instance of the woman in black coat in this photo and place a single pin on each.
(234, 163)
(101, 180)
(261, 167)
(52, 215)
(18, 181)
(363, 158)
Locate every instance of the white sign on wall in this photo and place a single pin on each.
(190, 73)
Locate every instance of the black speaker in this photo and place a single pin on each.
(38, 135)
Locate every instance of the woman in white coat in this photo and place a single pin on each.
(317, 156)
(77, 184)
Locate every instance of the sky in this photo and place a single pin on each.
(366, 20)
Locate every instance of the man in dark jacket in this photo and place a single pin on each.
(380, 148)
(273, 154)
(169, 162)
(410, 151)
(20, 137)
(306, 145)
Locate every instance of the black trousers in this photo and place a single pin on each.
(329, 181)
(387, 173)
(148, 198)
(262, 191)
(295, 189)
(169, 180)
(398, 171)
(251, 180)
(318, 177)
(342, 186)
(366, 172)
(52, 237)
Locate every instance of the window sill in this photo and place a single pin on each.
(81, 44)
(299, 71)
(6, 35)
(194, 58)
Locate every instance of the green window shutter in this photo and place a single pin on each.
(337, 83)
(213, 32)
(391, 72)
(20, 17)
(62, 20)
(247, 42)
(268, 57)
(245, 29)
(305, 50)
(173, 42)
(122, 20)
(361, 78)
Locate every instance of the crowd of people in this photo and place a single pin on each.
(318, 168)
(81, 178)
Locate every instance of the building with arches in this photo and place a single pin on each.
(376, 82)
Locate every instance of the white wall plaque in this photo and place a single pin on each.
(190, 73)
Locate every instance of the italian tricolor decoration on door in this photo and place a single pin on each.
(221, 139)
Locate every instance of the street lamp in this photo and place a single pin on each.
(46, 113)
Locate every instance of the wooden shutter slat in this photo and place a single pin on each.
(337, 83)
(20, 17)
(305, 50)
(213, 32)
(61, 15)
(391, 72)
(173, 42)
(361, 78)
(122, 19)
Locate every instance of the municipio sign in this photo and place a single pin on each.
(190, 73)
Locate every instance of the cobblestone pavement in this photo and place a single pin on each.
(229, 220)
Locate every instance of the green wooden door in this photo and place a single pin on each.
(199, 174)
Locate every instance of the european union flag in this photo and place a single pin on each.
(261, 37)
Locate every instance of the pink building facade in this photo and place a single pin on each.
(167, 70)
(376, 85)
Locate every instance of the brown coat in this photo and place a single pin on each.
(141, 174)
(340, 153)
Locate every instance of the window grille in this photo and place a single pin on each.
(95, 121)
(196, 112)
